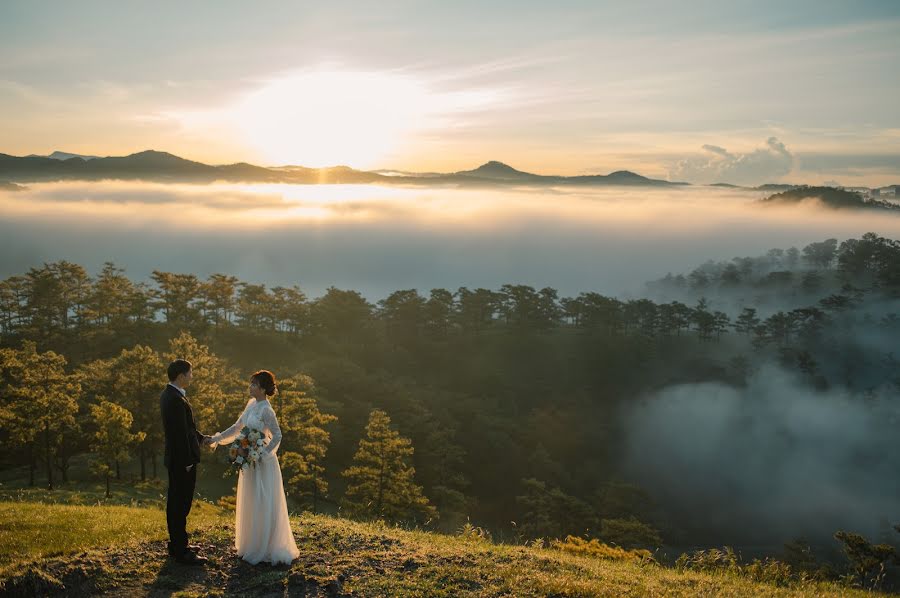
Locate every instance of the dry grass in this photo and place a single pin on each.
(82, 550)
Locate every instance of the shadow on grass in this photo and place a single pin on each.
(227, 573)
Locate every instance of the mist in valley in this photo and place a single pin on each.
(380, 239)
(768, 462)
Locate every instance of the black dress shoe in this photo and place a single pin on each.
(190, 558)
(192, 547)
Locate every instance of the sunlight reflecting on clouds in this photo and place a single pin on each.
(381, 238)
(663, 213)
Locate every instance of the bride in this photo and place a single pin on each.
(262, 527)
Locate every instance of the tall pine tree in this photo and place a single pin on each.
(381, 480)
(113, 438)
(47, 399)
(136, 376)
(304, 430)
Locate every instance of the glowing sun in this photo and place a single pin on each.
(329, 118)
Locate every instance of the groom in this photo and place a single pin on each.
(181, 459)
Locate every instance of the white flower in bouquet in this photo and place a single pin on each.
(246, 450)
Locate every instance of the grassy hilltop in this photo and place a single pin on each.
(74, 550)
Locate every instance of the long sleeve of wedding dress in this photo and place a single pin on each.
(232, 432)
(271, 422)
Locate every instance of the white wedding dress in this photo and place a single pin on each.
(262, 527)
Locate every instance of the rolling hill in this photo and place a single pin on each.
(829, 197)
(159, 166)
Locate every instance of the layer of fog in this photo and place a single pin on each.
(769, 462)
(380, 239)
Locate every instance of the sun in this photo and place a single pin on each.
(326, 118)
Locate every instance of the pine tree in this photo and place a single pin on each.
(548, 512)
(16, 413)
(303, 426)
(113, 438)
(747, 321)
(179, 296)
(46, 398)
(112, 299)
(219, 299)
(381, 480)
(136, 380)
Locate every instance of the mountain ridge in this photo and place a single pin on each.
(155, 165)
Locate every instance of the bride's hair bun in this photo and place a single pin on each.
(266, 381)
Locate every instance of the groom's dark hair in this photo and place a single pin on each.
(178, 367)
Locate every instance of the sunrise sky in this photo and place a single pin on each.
(739, 92)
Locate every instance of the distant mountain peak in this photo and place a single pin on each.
(497, 170)
(496, 164)
(625, 174)
(158, 158)
(153, 154)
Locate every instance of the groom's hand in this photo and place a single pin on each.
(188, 468)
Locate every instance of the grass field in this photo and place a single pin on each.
(47, 548)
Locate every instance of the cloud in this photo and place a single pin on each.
(378, 239)
(762, 165)
(768, 462)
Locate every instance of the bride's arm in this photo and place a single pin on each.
(272, 423)
(232, 432)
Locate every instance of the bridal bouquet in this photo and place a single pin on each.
(247, 449)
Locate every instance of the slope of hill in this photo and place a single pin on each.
(52, 549)
(153, 165)
(829, 197)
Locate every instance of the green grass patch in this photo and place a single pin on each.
(56, 549)
(29, 530)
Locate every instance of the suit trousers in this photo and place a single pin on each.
(178, 505)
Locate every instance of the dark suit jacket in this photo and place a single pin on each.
(182, 438)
